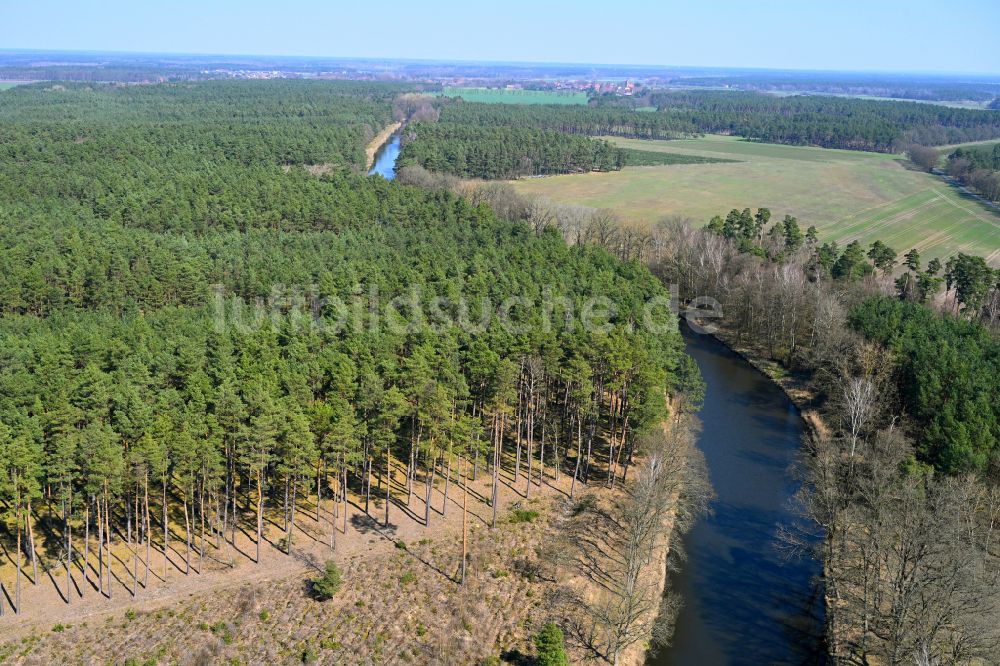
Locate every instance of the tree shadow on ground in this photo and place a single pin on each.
(518, 658)
(369, 525)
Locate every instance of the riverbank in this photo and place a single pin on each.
(657, 576)
(654, 574)
(592, 597)
(372, 148)
(799, 391)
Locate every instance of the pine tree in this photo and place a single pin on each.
(392, 407)
(20, 472)
(296, 457)
(258, 451)
(792, 233)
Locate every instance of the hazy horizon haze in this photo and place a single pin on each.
(889, 36)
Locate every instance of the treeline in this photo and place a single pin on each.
(830, 122)
(893, 87)
(501, 152)
(972, 287)
(978, 168)
(984, 157)
(103, 73)
(635, 157)
(947, 374)
(497, 141)
(590, 120)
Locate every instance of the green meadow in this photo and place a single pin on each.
(945, 150)
(504, 96)
(847, 195)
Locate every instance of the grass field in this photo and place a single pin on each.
(847, 195)
(503, 96)
(971, 144)
(4, 85)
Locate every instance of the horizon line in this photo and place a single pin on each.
(464, 61)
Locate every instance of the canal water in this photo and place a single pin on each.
(385, 158)
(745, 602)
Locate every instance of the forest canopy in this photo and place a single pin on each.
(499, 153)
(830, 122)
(171, 338)
(979, 168)
(949, 379)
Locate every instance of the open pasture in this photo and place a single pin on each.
(847, 195)
(945, 150)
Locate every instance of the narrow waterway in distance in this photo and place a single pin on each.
(385, 158)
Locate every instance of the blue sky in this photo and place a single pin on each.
(881, 35)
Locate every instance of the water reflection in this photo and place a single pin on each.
(744, 602)
(385, 159)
